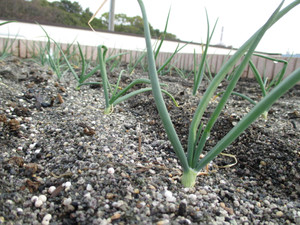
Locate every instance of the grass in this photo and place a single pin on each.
(198, 132)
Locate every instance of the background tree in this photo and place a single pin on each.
(65, 12)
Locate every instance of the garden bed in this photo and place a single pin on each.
(121, 166)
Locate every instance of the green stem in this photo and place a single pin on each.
(256, 111)
(103, 76)
(230, 88)
(258, 78)
(156, 90)
(188, 178)
(217, 80)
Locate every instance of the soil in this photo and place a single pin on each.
(121, 169)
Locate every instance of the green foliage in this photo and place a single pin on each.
(68, 6)
(134, 25)
(54, 58)
(84, 75)
(165, 67)
(118, 94)
(265, 84)
(69, 13)
(7, 45)
(198, 75)
(198, 132)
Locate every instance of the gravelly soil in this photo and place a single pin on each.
(120, 168)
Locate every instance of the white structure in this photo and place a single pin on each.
(34, 32)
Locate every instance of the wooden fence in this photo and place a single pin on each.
(185, 61)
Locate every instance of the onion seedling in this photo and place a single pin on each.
(168, 61)
(39, 53)
(198, 75)
(84, 75)
(7, 45)
(138, 60)
(262, 80)
(6, 22)
(198, 133)
(53, 58)
(118, 95)
(142, 56)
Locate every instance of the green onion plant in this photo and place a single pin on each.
(183, 74)
(264, 84)
(198, 74)
(116, 95)
(263, 81)
(54, 59)
(162, 68)
(7, 45)
(55, 63)
(137, 61)
(84, 75)
(39, 53)
(198, 132)
(6, 22)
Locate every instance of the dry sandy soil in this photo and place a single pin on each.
(106, 171)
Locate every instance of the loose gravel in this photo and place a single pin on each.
(63, 161)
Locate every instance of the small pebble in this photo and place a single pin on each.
(34, 198)
(46, 219)
(87, 195)
(67, 185)
(279, 213)
(51, 189)
(115, 216)
(169, 196)
(140, 205)
(193, 197)
(110, 195)
(67, 201)
(38, 203)
(19, 211)
(222, 182)
(89, 187)
(163, 222)
(10, 202)
(222, 204)
(43, 198)
(203, 192)
(236, 203)
(106, 149)
(263, 163)
(111, 170)
(31, 146)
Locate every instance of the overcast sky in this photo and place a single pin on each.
(239, 19)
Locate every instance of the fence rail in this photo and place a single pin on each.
(185, 61)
